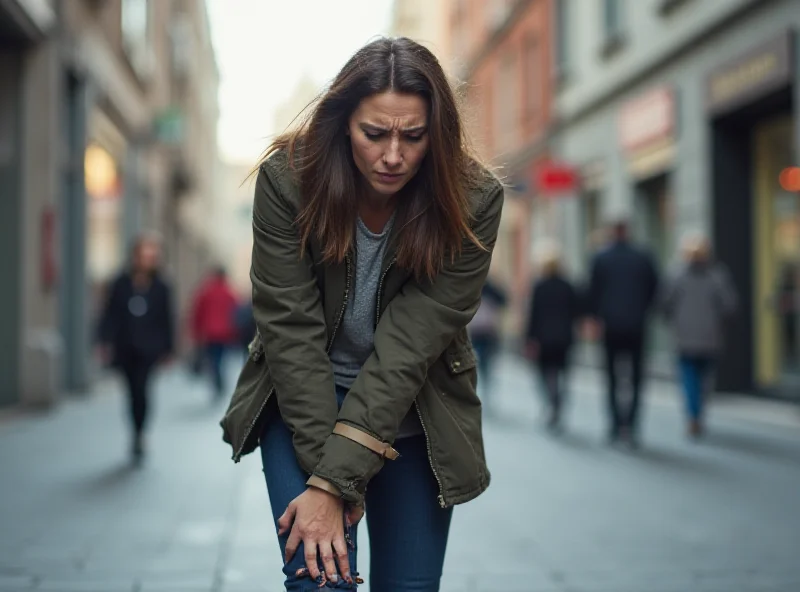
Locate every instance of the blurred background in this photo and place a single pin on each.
(119, 116)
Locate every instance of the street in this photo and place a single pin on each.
(563, 514)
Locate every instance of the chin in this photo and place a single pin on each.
(386, 190)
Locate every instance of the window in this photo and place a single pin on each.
(561, 50)
(135, 25)
(532, 76)
(613, 26)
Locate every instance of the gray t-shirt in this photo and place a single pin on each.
(354, 341)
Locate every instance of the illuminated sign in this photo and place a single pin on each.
(763, 70)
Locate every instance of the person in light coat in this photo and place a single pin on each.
(697, 302)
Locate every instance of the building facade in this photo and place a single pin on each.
(109, 127)
(503, 49)
(426, 23)
(679, 116)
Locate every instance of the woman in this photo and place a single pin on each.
(136, 329)
(373, 231)
(697, 302)
(554, 310)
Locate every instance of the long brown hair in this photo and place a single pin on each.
(433, 215)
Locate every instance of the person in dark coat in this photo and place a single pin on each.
(549, 336)
(136, 332)
(622, 290)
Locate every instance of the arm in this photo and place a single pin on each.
(593, 290)
(107, 326)
(532, 332)
(287, 307)
(169, 321)
(417, 326)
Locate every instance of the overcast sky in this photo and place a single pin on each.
(264, 47)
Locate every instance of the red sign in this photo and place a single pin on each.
(554, 178)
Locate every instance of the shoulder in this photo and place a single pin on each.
(484, 189)
(277, 179)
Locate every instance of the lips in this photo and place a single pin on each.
(389, 177)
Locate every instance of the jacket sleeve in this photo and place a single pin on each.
(169, 320)
(532, 332)
(416, 327)
(287, 306)
(109, 318)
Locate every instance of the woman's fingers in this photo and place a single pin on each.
(286, 519)
(292, 544)
(328, 563)
(310, 547)
(342, 558)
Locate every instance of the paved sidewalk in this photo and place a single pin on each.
(566, 514)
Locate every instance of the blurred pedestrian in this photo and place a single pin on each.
(484, 331)
(213, 323)
(622, 290)
(136, 330)
(697, 302)
(373, 234)
(245, 324)
(550, 332)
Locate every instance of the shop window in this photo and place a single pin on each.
(135, 27)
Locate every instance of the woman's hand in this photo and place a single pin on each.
(315, 519)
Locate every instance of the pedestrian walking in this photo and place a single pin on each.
(484, 332)
(622, 290)
(550, 332)
(245, 325)
(213, 324)
(136, 330)
(697, 302)
(373, 233)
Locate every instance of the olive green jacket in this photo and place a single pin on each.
(422, 354)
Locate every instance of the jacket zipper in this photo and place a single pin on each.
(238, 454)
(440, 497)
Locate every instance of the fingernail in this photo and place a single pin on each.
(334, 578)
(347, 577)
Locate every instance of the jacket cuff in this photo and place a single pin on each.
(324, 485)
(349, 466)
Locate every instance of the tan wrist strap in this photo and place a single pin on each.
(367, 441)
(324, 485)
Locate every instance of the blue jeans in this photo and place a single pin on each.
(694, 372)
(407, 528)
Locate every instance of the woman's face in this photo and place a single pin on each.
(389, 136)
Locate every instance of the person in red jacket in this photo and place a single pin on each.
(213, 327)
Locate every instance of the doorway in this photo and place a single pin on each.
(776, 252)
(653, 226)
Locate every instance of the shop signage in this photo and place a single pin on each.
(555, 178)
(762, 70)
(647, 118)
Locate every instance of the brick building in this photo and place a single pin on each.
(502, 49)
(108, 115)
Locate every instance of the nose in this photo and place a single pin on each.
(393, 158)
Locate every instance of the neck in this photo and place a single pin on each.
(375, 210)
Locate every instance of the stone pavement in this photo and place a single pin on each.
(566, 514)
